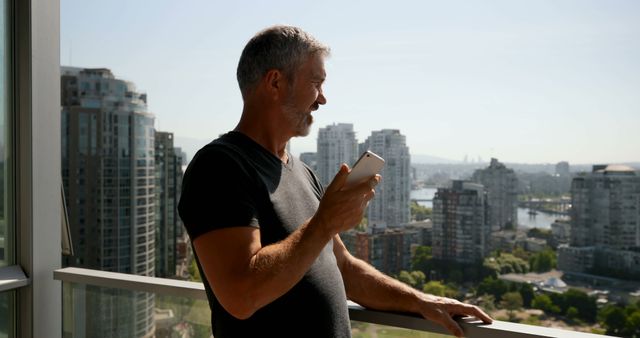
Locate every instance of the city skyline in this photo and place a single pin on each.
(537, 83)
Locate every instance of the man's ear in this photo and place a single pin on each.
(275, 83)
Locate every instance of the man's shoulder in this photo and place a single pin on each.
(220, 158)
(224, 148)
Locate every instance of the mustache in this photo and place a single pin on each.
(315, 106)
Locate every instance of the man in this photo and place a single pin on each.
(265, 232)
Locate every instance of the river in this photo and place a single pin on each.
(540, 220)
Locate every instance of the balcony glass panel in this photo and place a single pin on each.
(368, 330)
(7, 315)
(139, 306)
(92, 311)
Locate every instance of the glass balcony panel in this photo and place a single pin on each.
(91, 311)
(368, 330)
(170, 308)
(7, 314)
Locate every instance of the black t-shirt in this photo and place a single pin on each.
(233, 181)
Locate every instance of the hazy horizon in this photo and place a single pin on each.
(191, 145)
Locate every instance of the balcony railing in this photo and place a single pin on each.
(195, 291)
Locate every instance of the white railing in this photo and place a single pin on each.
(472, 328)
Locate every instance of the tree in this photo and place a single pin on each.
(586, 306)
(506, 263)
(421, 259)
(632, 327)
(621, 321)
(543, 261)
(494, 287)
(540, 233)
(434, 288)
(419, 278)
(615, 321)
(194, 273)
(418, 212)
(512, 301)
(526, 290)
(415, 279)
(519, 252)
(406, 278)
(544, 303)
(572, 313)
(487, 302)
(363, 224)
(438, 289)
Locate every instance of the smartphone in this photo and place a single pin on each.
(368, 165)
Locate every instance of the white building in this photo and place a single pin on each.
(337, 144)
(502, 194)
(390, 207)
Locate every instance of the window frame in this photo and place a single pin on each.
(34, 98)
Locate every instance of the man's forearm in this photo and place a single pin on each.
(371, 288)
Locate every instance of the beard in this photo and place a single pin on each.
(299, 121)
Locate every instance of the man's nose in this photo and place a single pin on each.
(321, 99)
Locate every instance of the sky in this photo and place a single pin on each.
(522, 81)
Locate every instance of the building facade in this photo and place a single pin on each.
(460, 229)
(337, 144)
(388, 250)
(501, 184)
(391, 205)
(562, 169)
(605, 222)
(108, 175)
(168, 163)
(310, 159)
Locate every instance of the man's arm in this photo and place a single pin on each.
(372, 289)
(245, 276)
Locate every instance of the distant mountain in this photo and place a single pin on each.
(428, 159)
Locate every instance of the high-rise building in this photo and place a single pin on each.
(388, 250)
(605, 222)
(310, 159)
(336, 145)
(391, 205)
(109, 178)
(562, 169)
(168, 163)
(460, 229)
(501, 184)
(606, 208)
(562, 178)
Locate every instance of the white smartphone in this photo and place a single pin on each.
(366, 167)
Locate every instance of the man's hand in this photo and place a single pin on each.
(342, 208)
(442, 310)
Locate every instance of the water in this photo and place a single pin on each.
(540, 220)
(424, 194)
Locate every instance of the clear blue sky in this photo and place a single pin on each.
(524, 81)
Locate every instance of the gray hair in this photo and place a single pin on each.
(284, 48)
